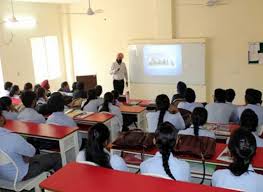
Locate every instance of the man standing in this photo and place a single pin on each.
(119, 72)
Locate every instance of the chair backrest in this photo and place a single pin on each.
(6, 159)
(156, 175)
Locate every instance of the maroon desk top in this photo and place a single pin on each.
(39, 130)
(80, 177)
(95, 118)
(131, 109)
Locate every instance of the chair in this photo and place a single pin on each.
(156, 175)
(23, 185)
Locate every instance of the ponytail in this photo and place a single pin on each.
(161, 117)
(108, 98)
(163, 104)
(165, 137)
(91, 96)
(199, 118)
(105, 107)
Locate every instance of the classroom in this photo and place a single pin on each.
(134, 95)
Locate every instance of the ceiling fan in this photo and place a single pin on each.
(209, 3)
(89, 12)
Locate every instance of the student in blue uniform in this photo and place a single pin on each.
(164, 163)
(95, 149)
(249, 122)
(199, 118)
(29, 113)
(181, 87)
(23, 154)
(79, 92)
(7, 87)
(189, 103)
(9, 112)
(92, 104)
(241, 174)
(162, 114)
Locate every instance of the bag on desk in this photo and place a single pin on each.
(135, 139)
(202, 147)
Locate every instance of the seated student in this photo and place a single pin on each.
(64, 87)
(92, 104)
(15, 92)
(189, 103)
(230, 96)
(219, 111)
(164, 163)
(46, 86)
(79, 92)
(22, 153)
(162, 114)
(98, 90)
(252, 99)
(58, 117)
(29, 113)
(199, 118)
(41, 96)
(36, 87)
(7, 87)
(74, 87)
(258, 97)
(95, 149)
(28, 87)
(249, 122)
(181, 88)
(117, 122)
(116, 97)
(240, 175)
(9, 112)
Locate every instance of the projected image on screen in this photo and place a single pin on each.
(162, 60)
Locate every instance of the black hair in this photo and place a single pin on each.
(56, 102)
(5, 103)
(190, 95)
(181, 87)
(98, 90)
(28, 86)
(64, 84)
(258, 96)
(80, 86)
(36, 87)
(163, 104)
(242, 146)
(98, 135)
(40, 92)
(14, 89)
(108, 98)
(91, 96)
(8, 85)
(250, 97)
(116, 96)
(74, 86)
(230, 95)
(27, 98)
(220, 95)
(199, 118)
(249, 120)
(165, 136)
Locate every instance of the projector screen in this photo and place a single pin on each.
(167, 63)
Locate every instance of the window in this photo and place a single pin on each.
(45, 54)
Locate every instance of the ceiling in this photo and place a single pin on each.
(51, 1)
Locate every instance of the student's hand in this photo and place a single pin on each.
(127, 84)
(173, 109)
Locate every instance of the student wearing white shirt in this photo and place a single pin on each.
(181, 88)
(162, 114)
(240, 175)
(95, 149)
(249, 122)
(58, 117)
(7, 87)
(230, 96)
(92, 104)
(9, 112)
(41, 96)
(117, 121)
(14, 92)
(199, 118)
(189, 103)
(219, 111)
(29, 113)
(253, 100)
(23, 154)
(164, 163)
(119, 72)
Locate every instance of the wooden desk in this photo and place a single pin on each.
(67, 137)
(142, 102)
(222, 131)
(139, 111)
(80, 177)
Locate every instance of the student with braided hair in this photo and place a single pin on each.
(164, 163)
(162, 114)
(240, 175)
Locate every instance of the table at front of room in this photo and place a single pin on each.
(195, 163)
(67, 137)
(80, 177)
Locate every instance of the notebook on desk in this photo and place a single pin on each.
(225, 156)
